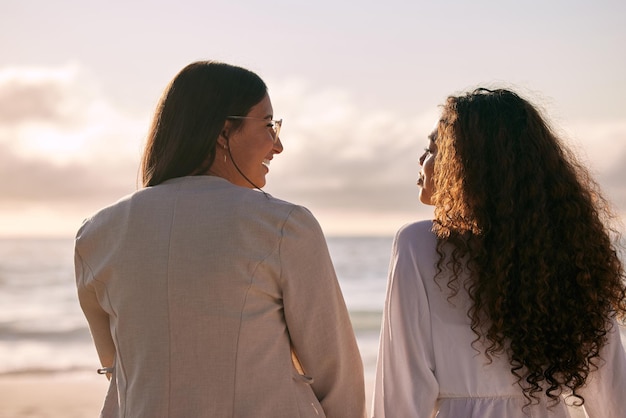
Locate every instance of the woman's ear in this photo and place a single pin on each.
(222, 139)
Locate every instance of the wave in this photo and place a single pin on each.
(366, 320)
(29, 371)
(10, 332)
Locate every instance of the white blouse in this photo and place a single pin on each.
(426, 364)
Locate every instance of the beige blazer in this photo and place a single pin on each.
(195, 291)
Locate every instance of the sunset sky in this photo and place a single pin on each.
(358, 85)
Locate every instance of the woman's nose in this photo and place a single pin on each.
(278, 146)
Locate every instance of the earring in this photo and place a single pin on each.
(225, 148)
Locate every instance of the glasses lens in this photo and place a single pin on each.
(277, 125)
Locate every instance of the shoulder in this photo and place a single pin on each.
(415, 242)
(291, 212)
(267, 212)
(417, 232)
(104, 215)
(297, 217)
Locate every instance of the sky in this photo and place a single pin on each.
(358, 85)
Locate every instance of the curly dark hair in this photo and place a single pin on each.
(532, 228)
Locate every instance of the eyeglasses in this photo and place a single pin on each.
(274, 124)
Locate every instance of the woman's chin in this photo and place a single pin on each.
(261, 182)
(425, 197)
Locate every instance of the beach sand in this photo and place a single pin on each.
(52, 396)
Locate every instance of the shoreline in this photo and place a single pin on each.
(51, 395)
(64, 395)
(81, 395)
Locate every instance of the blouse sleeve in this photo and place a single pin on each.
(318, 320)
(97, 318)
(605, 393)
(405, 384)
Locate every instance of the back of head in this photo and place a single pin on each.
(531, 226)
(498, 155)
(191, 115)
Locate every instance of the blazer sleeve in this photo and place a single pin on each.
(605, 392)
(405, 383)
(317, 318)
(97, 317)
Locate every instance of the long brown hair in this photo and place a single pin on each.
(531, 227)
(191, 115)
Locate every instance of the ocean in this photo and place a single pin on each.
(43, 330)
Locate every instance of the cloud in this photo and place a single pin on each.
(343, 157)
(60, 114)
(356, 163)
(60, 143)
(613, 181)
(28, 95)
(28, 181)
(600, 143)
(67, 150)
(602, 147)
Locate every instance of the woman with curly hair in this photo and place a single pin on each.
(506, 304)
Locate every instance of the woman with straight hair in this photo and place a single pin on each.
(506, 304)
(205, 296)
